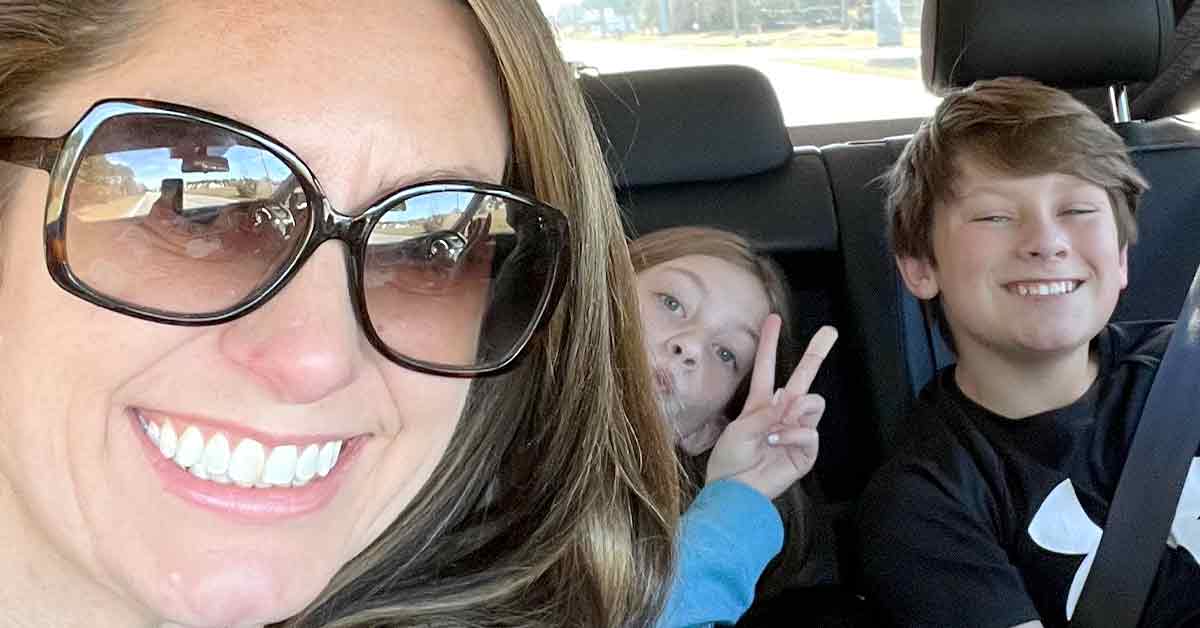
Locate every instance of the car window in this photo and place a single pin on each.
(830, 61)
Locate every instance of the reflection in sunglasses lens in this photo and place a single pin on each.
(180, 216)
(450, 280)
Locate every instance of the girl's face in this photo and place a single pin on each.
(701, 317)
(372, 99)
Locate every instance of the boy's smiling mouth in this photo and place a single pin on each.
(1043, 288)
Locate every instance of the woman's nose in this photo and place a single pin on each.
(304, 344)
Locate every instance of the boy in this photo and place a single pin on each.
(1011, 215)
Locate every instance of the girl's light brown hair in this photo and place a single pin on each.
(1012, 126)
(556, 501)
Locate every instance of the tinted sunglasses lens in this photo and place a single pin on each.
(460, 279)
(179, 216)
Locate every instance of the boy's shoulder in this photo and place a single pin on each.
(1139, 342)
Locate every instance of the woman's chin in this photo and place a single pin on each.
(238, 593)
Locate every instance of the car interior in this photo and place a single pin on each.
(709, 146)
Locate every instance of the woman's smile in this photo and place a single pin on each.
(258, 478)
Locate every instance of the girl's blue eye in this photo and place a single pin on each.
(993, 219)
(670, 302)
(1079, 211)
(727, 356)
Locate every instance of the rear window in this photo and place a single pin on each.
(830, 61)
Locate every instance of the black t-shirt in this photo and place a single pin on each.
(987, 521)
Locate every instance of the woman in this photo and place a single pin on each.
(711, 308)
(212, 416)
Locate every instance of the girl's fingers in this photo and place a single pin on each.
(753, 425)
(805, 410)
(804, 437)
(762, 381)
(810, 363)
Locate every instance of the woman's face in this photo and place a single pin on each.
(372, 99)
(701, 317)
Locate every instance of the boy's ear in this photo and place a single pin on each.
(919, 275)
(1124, 266)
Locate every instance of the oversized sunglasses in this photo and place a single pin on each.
(176, 215)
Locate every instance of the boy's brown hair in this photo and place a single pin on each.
(1012, 126)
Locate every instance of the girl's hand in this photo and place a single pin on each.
(774, 442)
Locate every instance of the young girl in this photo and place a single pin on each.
(712, 312)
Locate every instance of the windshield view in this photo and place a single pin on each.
(828, 60)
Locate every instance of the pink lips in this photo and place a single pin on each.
(246, 505)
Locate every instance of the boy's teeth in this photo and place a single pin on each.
(1046, 289)
(250, 464)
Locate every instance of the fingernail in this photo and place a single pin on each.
(772, 439)
(777, 396)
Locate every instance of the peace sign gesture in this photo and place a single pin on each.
(773, 442)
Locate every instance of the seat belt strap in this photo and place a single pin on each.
(1150, 485)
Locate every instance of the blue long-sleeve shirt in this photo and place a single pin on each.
(726, 539)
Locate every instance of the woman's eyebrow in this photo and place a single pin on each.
(464, 171)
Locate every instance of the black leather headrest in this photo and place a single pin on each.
(687, 124)
(1068, 44)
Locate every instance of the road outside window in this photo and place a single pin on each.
(829, 60)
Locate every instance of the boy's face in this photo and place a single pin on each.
(1028, 267)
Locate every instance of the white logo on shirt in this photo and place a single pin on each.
(1061, 526)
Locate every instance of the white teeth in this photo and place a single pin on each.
(245, 466)
(306, 466)
(281, 466)
(327, 457)
(1046, 289)
(167, 441)
(249, 465)
(216, 455)
(191, 448)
